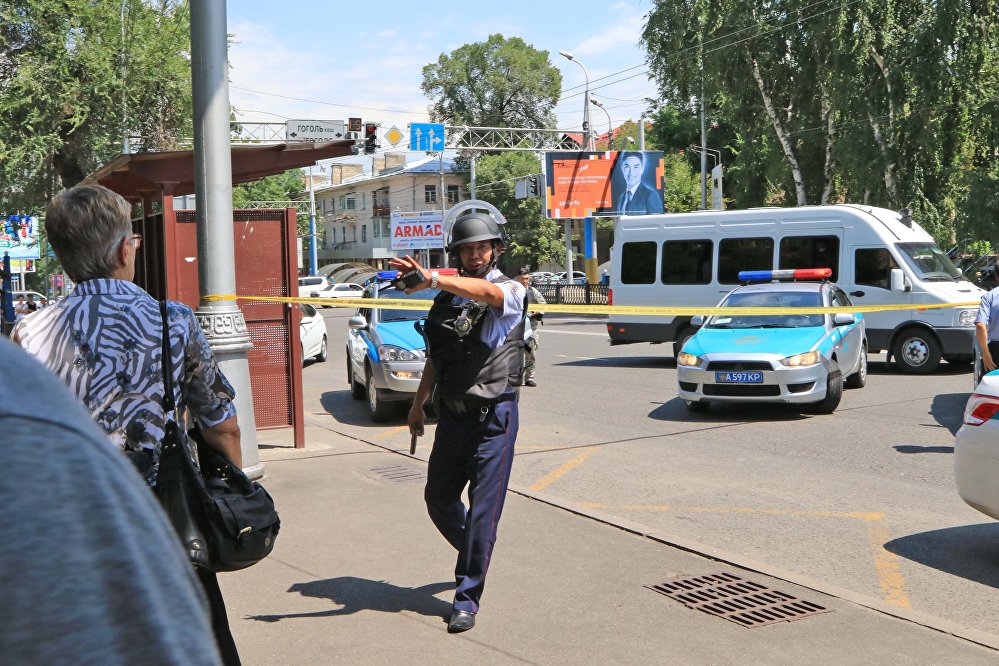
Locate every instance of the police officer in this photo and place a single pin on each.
(475, 344)
(987, 327)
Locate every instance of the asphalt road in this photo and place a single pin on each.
(862, 499)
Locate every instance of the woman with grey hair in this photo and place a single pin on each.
(104, 341)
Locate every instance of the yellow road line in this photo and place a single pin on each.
(886, 564)
(554, 475)
(392, 431)
(734, 509)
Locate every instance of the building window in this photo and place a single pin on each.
(380, 198)
(430, 194)
(364, 201)
(453, 194)
(350, 202)
(364, 233)
(355, 233)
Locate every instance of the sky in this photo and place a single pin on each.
(301, 60)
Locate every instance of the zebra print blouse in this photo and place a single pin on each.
(103, 341)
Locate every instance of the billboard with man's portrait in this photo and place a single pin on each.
(583, 184)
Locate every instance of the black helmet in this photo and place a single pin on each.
(473, 227)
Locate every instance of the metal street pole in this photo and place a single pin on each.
(313, 250)
(222, 321)
(704, 145)
(641, 133)
(587, 145)
(443, 213)
(610, 128)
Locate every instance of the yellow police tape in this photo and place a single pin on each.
(688, 310)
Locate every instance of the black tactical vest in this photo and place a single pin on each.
(466, 368)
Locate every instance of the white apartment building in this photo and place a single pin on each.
(356, 207)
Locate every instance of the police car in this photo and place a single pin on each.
(791, 358)
(385, 350)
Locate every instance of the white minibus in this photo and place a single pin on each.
(877, 256)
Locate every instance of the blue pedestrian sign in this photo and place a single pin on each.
(426, 136)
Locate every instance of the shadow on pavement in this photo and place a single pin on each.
(912, 448)
(637, 362)
(945, 369)
(948, 410)
(345, 409)
(360, 594)
(968, 551)
(724, 413)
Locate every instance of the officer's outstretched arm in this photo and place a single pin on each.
(415, 419)
(475, 289)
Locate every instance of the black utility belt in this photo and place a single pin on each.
(465, 405)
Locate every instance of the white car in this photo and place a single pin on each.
(310, 283)
(976, 448)
(578, 277)
(341, 290)
(312, 330)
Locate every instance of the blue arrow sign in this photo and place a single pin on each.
(426, 136)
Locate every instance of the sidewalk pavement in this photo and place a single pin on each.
(360, 575)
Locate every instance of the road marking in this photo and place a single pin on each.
(886, 563)
(888, 567)
(554, 475)
(580, 358)
(392, 431)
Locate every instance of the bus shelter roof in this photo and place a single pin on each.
(171, 173)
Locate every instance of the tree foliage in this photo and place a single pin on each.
(885, 103)
(497, 83)
(68, 80)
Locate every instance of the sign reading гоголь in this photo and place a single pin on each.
(579, 184)
(417, 230)
(19, 236)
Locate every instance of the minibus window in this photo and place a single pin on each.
(687, 262)
(872, 268)
(810, 252)
(743, 254)
(638, 263)
(929, 262)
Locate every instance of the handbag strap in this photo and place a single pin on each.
(166, 362)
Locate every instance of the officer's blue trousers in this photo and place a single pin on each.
(477, 453)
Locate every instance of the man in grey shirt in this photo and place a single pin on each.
(90, 570)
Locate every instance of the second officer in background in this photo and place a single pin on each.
(475, 349)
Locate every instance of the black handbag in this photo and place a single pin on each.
(225, 520)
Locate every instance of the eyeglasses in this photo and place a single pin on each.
(137, 240)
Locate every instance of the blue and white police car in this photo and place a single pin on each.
(385, 350)
(791, 358)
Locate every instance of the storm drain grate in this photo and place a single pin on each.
(398, 473)
(736, 599)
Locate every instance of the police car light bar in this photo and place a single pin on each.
(786, 274)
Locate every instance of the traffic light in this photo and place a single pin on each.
(534, 186)
(370, 137)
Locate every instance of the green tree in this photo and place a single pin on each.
(534, 239)
(497, 83)
(68, 80)
(890, 104)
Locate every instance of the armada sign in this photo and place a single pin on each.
(417, 230)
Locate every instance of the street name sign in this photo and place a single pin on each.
(315, 130)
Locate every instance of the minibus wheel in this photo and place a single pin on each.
(916, 351)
